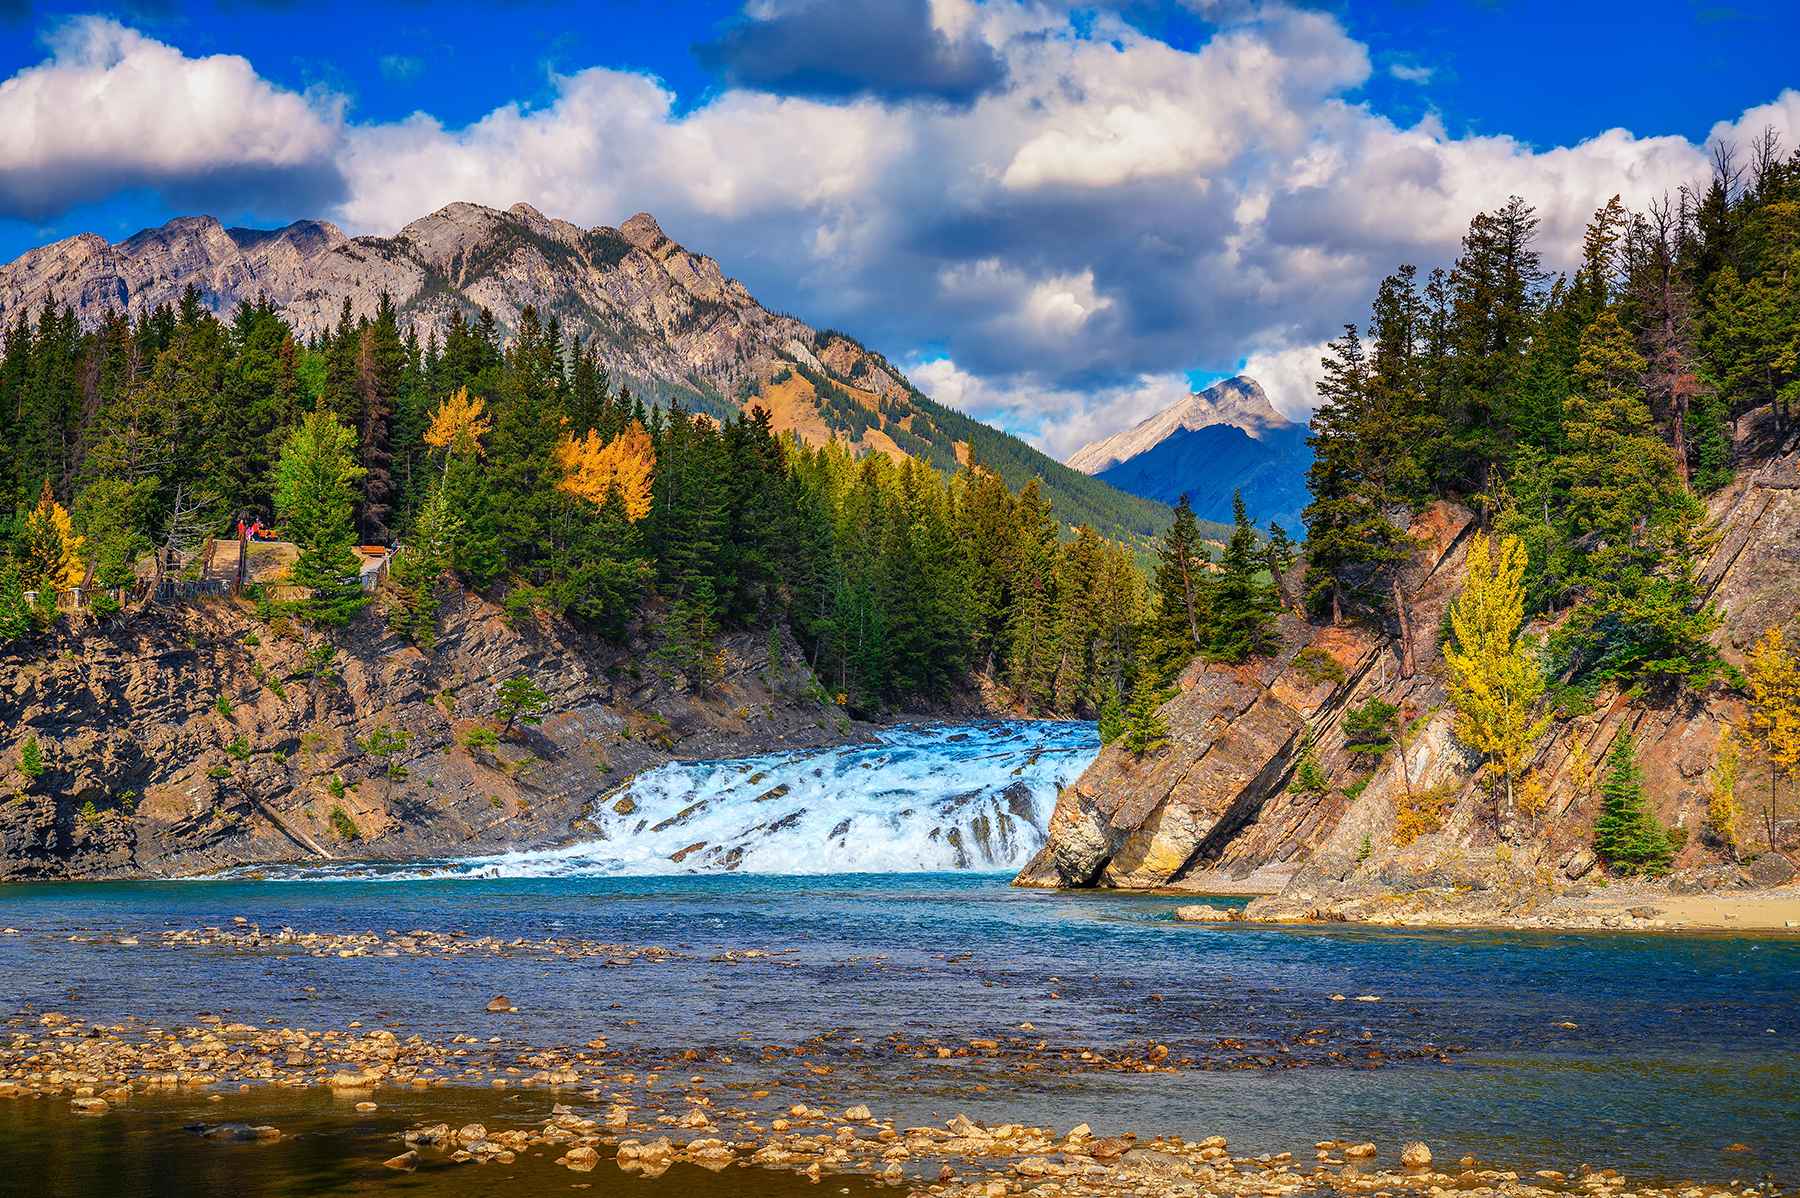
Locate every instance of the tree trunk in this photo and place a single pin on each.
(1680, 437)
(1406, 646)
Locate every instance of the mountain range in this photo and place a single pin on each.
(1210, 445)
(667, 322)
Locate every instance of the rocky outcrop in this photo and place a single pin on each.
(195, 737)
(1417, 830)
(1216, 803)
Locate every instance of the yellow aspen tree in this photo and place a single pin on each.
(1773, 673)
(595, 471)
(1721, 786)
(1495, 679)
(49, 550)
(458, 425)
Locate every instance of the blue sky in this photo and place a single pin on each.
(1057, 215)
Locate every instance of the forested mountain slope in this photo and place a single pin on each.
(661, 321)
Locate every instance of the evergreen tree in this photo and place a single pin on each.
(380, 374)
(519, 703)
(1626, 835)
(1352, 541)
(418, 570)
(1184, 595)
(315, 499)
(1243, 606)
(1145, 730)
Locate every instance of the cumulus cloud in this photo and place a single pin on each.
(112, 109)
(1289, 377)
(1070, 238)
(894, 49)
(1057, 420)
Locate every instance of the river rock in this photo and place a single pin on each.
(241, 1133)
(1416, 1155)
(1205, 913)
(500, 1003)
(1769, 869)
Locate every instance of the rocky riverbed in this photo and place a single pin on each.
(645, 1124)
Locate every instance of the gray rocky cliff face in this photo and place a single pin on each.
(668, 321)
(1216, 810)
(194, 738)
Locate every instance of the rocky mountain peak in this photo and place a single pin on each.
(1239, 401)
(643, 232)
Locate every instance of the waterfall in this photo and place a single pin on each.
(922, 797)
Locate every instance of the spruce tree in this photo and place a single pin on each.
(1145, 730)
(1243, 606)
(1184, 595)
(315, 500)
(1626, 835)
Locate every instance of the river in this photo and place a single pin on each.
(1646, 1053)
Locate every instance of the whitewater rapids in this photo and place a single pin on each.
(921, 798)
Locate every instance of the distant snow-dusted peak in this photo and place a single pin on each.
(1239, 402)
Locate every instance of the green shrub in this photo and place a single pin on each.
(480, 737)
(1369, 728)
(1145, 730)
(1309, 777)
(343, 825)
(1316, 666)
(31, 758)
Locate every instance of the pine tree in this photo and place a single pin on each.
(1352, 542)
(1184, 595)
(380, 371)
(1145, 730)
(1111, 716)
(315, 500)
(1626, 835)
(1243, 606)
(418, 570)
(520, 702)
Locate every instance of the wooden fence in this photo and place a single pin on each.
(183, 590)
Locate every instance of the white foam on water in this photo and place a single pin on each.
(926, 797)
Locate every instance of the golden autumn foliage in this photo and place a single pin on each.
(1773, 673)
(1422, 812)
(459, 424)
(594, 470)
(1495, 682)
(50, 552)
(1721, 788)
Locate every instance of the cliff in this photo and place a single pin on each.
(1217, 810)
(191, 738)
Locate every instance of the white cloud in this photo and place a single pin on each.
(1290, 377)
(1407, 72)
(112, 109)
(1119, 213)
(1055, 419)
